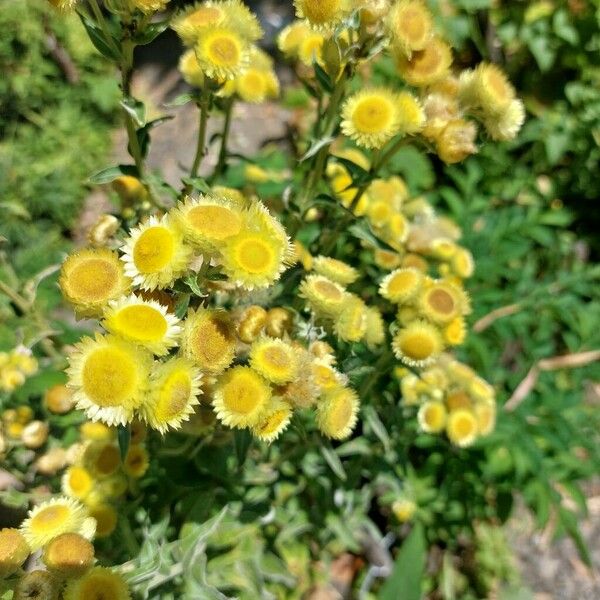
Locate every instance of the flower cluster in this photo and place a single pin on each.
(451, 398)
(19, 427)
(15, 367)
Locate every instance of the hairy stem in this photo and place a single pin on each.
(201, 145)
(222, 161)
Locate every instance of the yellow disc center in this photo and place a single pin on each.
(50, 518)
(417, 346)
(141, 322)
(210, 341)
(154, 250)
(254, 255)
(402, 282)
(174, 396)
(441, 301)
(109, 377)
(93, 279)
(372, 115)
(328, 290)
(242, 394)
(224, 51)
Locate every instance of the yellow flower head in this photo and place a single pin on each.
(273, 420)
(485, 413)
(410, 25)
(155, 255)
(455, 332)
(136, 462)
(325, 376)
(310, 49)
(321, 14)
(325, 297)
(13, 551)
(89, 279)
(240, 397)
(150, 6)
(208, 221)
(418, 343)
(98, 583)
(222, 52)
(337, 412)
(506, 126)
(440, 302)
(77, 482)
(129, 189)
(55, 517)
(69, 555)
(276, 360)
(481, 390)
(462, 427)
(375, 334)
(371, 117)
(393, 191)
(291, 37)
(411, 117)
(102, 459)
(251, 323)
(209, 340)
(350, 324)
(401, 285)
(432, 416)
(37, 585)
(59, 399)
(143, 322)
(190, 69)
(462, 263)
(427, 66)
(258, 82)
(457, 141)
(404, 509)
(386, 259)
(109, 377)
(336, 270)
(458, 399)
(486, 88)
(94, 431)
(173, 394)
(191, 22)
(106, 519)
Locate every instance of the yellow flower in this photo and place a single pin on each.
(418, 343)
(426, 66)
(54, 517)
(386, 259)
(273, 420)
(486, 88)
(209, 340)
(77, 482)
(462, 263)
(102, 459)
(455, 332)
(432, 416)
(457, 141)
(337, 412)
(240, 397)
(410, 25)
(143, 322)
(336, 270)
(208, 221)
(375, 334)
(251, 323)
(109, 377)
(324, 296)
(440, 302)
(155, 255)
(458, 399)
(136, 462)
(291, 37)
(258, 82)
(106, 519)
(350, 324)
(189, 23)
(173, 394)
(89, 279)
(310, 49)
(506, 126)
(94, 431)
(13, 551)
(411, 116)
(303, 255)
(190, 69)
(401, 285)
(404, 510)
(130, 189)
(274, 359)
(150, 6)
(321, 13)
(371, 117)
(222, 53)
(98, 579)
(480, 389)
(37, 585)
(59, 399)
(462, 427)
(325, 376)
(485, 413)
(69, 555)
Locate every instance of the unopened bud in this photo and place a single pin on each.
(69, 554)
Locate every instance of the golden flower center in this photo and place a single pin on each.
(94, 278)
(141, 322)
(320, 11)
(50, 518)
(224, 51)
(210, 341)
(434, 416)
(402, 282)
(97, 587)
(79, 480)
(109, 376)
(205, 15)
(441, 301)
(217, 222)
(463, 426)
(174, 396)
(154, 249)
(242, 394)
(412, 25)
(254, 255)
(417, 345)
(372, 115)
(328, 290)
(253, 83)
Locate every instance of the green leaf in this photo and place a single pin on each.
(97, 38)
(182, 305)
(124, 438)
(136, 109)
(569, 521)
(112, 173)
(180, 100)
(358, 173)
(405, 581)
(242, 440)
(333, 460)
(322, 78)
(315, 146)
(143, 134)
(197, 183)
(151, 32)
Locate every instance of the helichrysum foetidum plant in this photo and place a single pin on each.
(216, 310)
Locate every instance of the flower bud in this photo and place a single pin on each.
(13, 551)
(279, 322)
(51, 462)
(69, 554)
(252, 321)
(59, 399)
(35, 434)
(457, 141)
(103, 230)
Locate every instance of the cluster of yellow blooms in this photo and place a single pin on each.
(62, 529)
(451, 397)
(18, 426)
(15, 367)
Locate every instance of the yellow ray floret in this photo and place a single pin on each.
(110, 377)
(208, 221)
(222, 53)
(54, 517)
(209, 340)
(274, 359)
(90, 278)
(77, 482)
(371, 117)
(324, 296)
(273, 420)
(98, 579)
(174, 392)
(155, 255)
(240, 397)
(401, 285)
(337, 412)
(143, 322)
(336, 270)
(462, 427)
(350, 324)
(432, 416)
(418, 343)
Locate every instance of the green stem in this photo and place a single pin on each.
(201, 145)
(126, 71)
(15, 297)
(103, 25)
(222, 161)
